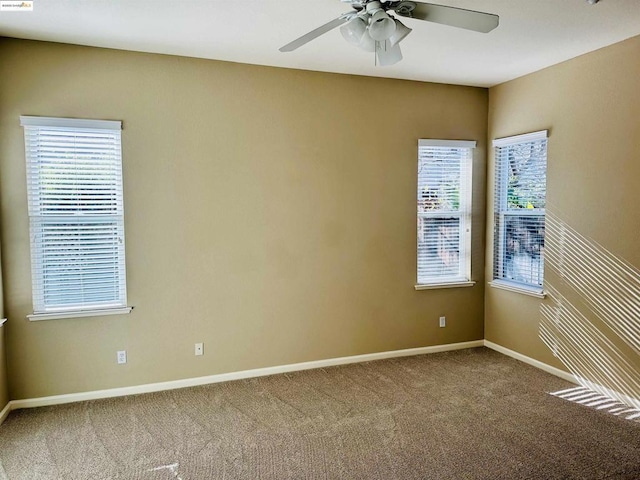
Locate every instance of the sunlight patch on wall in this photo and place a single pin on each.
(606, 283)
(589, 355)
(593, 327)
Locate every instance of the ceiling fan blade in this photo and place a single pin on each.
(455, 17)
(313, 34)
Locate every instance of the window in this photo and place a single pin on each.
(76, 217)
(520, 198)
(444, 212)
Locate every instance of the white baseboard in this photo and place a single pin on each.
(531, 361)
(295, 367)
(224, 377)
(607, 392)
(4, 413)
(626, 399)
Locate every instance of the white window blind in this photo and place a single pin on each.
(444, 211)
(76, 213)
(520, 201)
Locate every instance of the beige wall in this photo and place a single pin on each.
(591, 107)
(270, 214)
(4, 387)
(4, 392)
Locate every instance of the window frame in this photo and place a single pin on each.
(501, 212)
(463, 279)
(40, 220)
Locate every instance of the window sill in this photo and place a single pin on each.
(34, 317)
(434, 286)
(533, 292)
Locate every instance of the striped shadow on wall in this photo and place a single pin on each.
(591, 317)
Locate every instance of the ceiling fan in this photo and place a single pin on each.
(370, 26)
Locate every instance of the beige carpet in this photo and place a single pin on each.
(470, 414)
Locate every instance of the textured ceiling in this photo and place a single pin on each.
(533, 34)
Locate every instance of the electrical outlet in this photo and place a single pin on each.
(122, 356)
(443, 322)
(199, 349)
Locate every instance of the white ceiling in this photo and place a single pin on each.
(533, 34)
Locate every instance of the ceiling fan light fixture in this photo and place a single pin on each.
(367, 43)
(401, 31)
(387, 54)
(382, 26)
(373, 6)
(353, 30)
(371, 28)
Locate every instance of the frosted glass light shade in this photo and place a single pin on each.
(367, 43)
(353, 30)
(388, 54)
(382, 26)
(401, 31)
